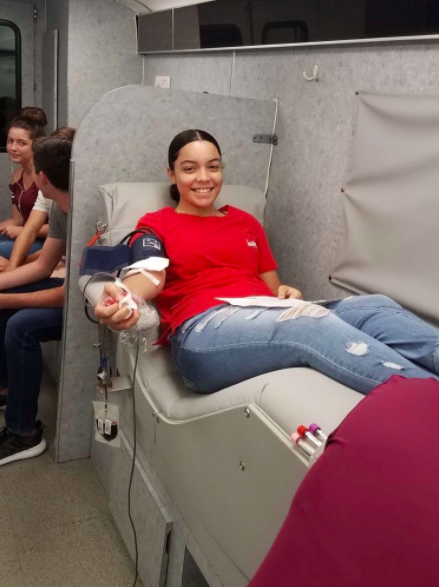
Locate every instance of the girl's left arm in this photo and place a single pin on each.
(271, 278)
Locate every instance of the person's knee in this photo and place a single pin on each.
(6, 248)
(382, 300)
(16, 330)
(375, 300)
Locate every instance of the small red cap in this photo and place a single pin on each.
(301, 430)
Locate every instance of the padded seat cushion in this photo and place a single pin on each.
(290, 397)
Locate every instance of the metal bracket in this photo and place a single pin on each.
(266, 139)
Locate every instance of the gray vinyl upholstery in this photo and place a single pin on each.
(122, 204)
(289, 397)
(301, 391)
(391, 204)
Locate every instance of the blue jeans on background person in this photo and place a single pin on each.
(21, 362)
(361, 342)
(7, 244)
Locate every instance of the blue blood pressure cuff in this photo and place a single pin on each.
(146, 251)
(146, 246)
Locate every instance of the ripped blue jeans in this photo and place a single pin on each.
(359, 341)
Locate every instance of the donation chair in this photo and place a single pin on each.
(225, 462)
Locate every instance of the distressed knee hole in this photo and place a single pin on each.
(391, 365)
(357, 348)
(202, 325)
(227, 315)
(255, 314)
(303, 309)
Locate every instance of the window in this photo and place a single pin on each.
(290, 31)
(220, 35)
(10, 76)
(244, 24)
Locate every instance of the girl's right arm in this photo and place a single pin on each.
(139, 285)
(26, 238)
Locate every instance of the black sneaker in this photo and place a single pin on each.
(3, 402)
(16, 448)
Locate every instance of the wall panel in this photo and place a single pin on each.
(101, 55)
(315, 125)
(134, 148)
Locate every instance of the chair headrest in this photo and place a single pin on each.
(122, 204)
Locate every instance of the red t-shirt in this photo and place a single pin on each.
(212, 257)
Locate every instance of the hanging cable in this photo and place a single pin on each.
(134, 464)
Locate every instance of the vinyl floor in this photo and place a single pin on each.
(55, 526)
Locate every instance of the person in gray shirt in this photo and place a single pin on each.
(31, 310)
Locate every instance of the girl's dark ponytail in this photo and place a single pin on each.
(175, 194)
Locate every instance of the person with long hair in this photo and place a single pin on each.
(219, 256)
(36, 224)
(23, 130)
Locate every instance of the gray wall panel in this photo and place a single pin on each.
(203, 73)
(40, 27)
(50, 82)
(102, 53)
(58, 18)
(134, 148)
(315, 125)
(97, 53)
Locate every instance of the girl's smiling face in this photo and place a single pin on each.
(19, 146)
(197, 172)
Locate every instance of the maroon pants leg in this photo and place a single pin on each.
(367, 513)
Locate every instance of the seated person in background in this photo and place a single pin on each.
(23, 130)
(36, 222)
(360, 341)
(32, 312)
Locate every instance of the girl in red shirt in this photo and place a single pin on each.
(224, 253)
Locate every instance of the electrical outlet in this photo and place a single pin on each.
(162, 81)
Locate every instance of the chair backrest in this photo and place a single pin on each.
(122, 204)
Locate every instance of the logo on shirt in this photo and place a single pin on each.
(252, 244)
(151, 242)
